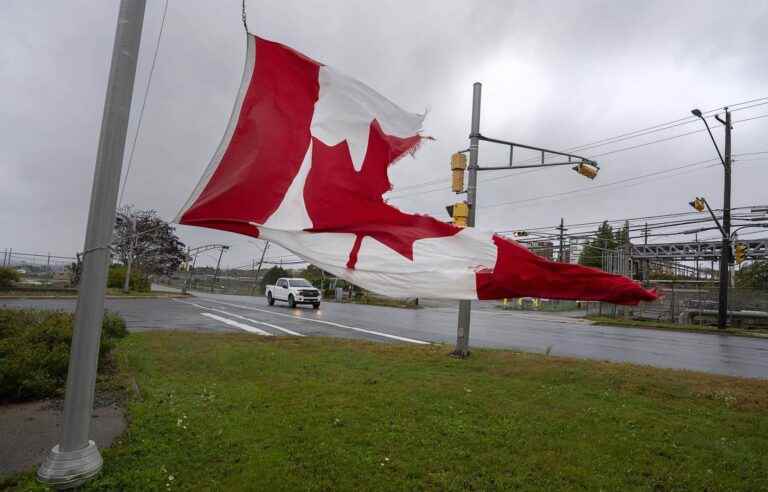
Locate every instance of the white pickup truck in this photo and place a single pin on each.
(293, 291)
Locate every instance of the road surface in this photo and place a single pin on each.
(722, 354)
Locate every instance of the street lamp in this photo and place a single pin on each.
(722, 312)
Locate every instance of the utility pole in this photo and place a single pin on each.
(218, 265)
(261, 262)
(725, 229)
(188, 280)
(465, 306)
(697, 256)
(131, 245)
(562, 230)
(725, 254)
(76, 458)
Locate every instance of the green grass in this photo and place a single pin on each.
(35, 348)
(238, 412)
(661, 325)
(383, 301)
(72, 293)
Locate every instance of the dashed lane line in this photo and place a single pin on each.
(237, 324)
(330, 323)
(279, 328)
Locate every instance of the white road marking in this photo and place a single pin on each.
(279, 328)
(331, 323)
(237, 324)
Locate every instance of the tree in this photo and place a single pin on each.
(8, 277)
(272, 275)
(592, 254)
(605, 239)
(150, 243)
(313, 274)
(754, 276)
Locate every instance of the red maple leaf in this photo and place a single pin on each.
(341, 199)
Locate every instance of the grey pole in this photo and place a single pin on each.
(261, 262)
(131, 246)
(725, 254)
(218, 265)
(76, 459)
(465, 306)
(562, 230)
(188, 281)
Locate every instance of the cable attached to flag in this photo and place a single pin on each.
(245, 19)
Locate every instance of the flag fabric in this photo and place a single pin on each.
(303, 163)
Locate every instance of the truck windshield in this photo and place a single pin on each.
(300, 282)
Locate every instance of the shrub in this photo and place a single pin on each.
(116, 279)
(7, 278)
(34, 350)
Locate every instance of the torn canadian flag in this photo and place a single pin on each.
(303, 163)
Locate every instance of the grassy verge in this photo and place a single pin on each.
(72, 294)
(237, 412)
(34, 351)
(547, 307)
(384, 301)
(660, 325)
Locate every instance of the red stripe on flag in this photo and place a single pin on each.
(268, 145)
(520, 273)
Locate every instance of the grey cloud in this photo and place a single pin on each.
(555, 73)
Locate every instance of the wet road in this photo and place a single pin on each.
(722, 354)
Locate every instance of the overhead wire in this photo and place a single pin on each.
(143, 105)
(618, 138)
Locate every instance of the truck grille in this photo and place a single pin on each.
(309, 293)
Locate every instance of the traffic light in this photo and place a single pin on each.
(698, 204)
(586, 169)
(740, 253)
(459, 212)
(458, 166)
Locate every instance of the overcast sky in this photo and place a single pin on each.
(554, 74)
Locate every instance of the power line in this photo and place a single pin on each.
(592, 188)
(618, 138)
(631, 219)
(614, 183)
(143, 104)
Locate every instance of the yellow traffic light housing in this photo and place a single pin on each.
(698, 204)
(740, 253)
(459, 212)
(458, 166)
(586, 169)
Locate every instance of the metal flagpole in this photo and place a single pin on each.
(76, 459)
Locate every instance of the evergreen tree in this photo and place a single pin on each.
(605, 239)
(272, 275)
